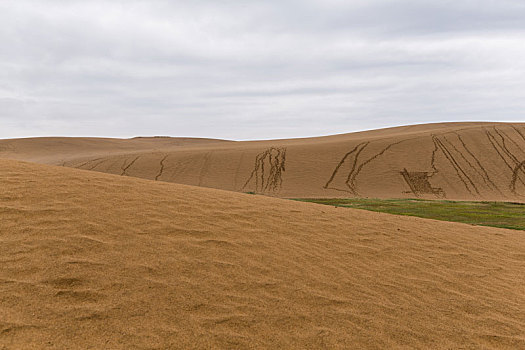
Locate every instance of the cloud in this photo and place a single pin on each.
(245, 70)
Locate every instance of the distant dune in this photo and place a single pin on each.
(91, 260)
(57, 150)
(465, 161)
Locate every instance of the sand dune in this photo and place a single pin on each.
(57, 150)
(91, 260)
(466, 161)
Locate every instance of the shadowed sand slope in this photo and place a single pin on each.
(463, 161)
(96, 260)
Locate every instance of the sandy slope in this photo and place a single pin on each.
(469, 161)
(57, 150)
(96, 260)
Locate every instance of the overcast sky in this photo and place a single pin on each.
(256, 69)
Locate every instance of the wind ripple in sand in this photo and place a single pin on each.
(102, 261)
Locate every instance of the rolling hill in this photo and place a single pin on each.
(93, 260)
(462, 161)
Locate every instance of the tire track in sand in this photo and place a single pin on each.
(161, 170)
(272, 180)
(484, 172)
(125, 168)
(515, 174)
(499, 148)
(462, 175)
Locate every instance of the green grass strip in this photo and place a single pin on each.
(496, 214)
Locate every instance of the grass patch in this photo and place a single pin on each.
(496, 214)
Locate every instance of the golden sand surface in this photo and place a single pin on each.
(93, 260)
(458, 161)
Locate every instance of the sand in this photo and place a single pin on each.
(93, 260)
(460, 161)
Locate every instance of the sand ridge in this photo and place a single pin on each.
(58, 150)
(91, 260)
(462, 161)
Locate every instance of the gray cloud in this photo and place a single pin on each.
(244, 70)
